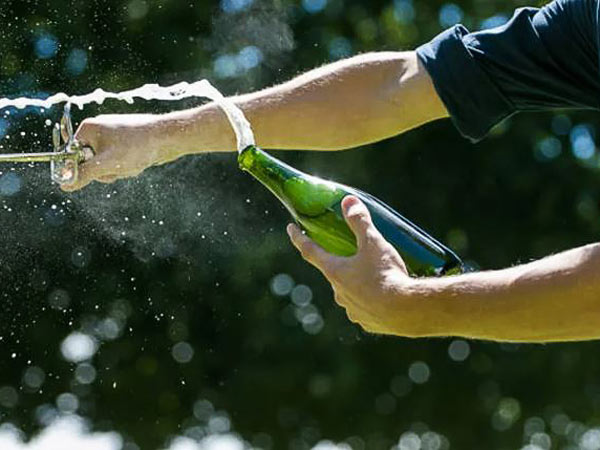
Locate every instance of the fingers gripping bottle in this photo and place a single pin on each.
(315, 204)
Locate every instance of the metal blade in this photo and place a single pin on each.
(56, 137)
(33, 157)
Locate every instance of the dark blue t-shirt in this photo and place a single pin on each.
(541, 59)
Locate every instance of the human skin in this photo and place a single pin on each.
(552, 299)
(346, 104)
(342, 105)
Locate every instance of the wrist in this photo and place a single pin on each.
(204, 129)
(423, 310)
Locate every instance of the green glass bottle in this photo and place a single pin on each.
(315, 204)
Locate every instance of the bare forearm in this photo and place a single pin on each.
(553, 299)
(345, 104)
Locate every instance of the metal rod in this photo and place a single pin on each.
(65, 159)
(34, 157)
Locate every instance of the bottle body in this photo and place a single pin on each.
(315, 204)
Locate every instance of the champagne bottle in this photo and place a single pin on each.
(315, 204)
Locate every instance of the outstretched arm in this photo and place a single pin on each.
(553, 299)
(480, 78)
(341, 105)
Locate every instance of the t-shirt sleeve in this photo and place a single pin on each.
(541, 59)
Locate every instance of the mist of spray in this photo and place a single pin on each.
(163, 210)
(159, 211)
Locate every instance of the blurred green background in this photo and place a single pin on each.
(174, 305)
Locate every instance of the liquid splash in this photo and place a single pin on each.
(179, 91)
(168, 193)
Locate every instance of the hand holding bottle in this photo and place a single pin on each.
(369, 285)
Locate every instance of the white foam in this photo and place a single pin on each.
(178, 91)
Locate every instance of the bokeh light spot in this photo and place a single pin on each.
(590, 440)
(582, 141)
(547, 149)
(409, 441)
(340, 47)
(10, 184)
(282, 284)
(137, 9)
(182, 352)
(314, 6)
(404, 11)
(8, 397)
(76, 62)
(507, 413)
(77, 347)
(225, 66)
(46, 46)
(450, 14)
(419, 372)
(494, 21)
(250, 57)
(85, 373)
(301, 295)
(67, 403)
(233, 6)
(459, 350)
(203, 409)
(33, 377)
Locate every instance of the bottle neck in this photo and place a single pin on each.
(270, 171)
(300, 192)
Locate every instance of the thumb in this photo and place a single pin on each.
(358, 219)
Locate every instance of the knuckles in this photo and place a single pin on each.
(88, 131)
(90, 124)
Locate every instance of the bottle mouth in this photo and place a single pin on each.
(246, 157)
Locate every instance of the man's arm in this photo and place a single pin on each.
(345, 104)
(341, 105)
(480, 78)
(554, 299)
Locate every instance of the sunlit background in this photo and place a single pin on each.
(171, 312)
